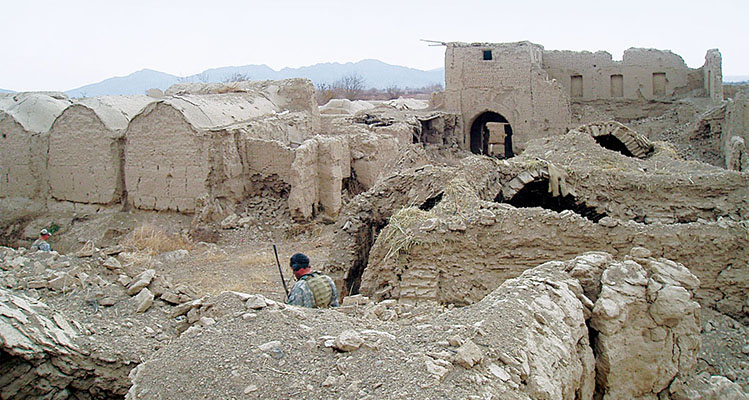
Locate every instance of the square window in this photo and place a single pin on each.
(487, 54)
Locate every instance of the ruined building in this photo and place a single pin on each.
(509, 93)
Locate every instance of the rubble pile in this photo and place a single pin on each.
(529, 338)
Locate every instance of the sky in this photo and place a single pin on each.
(62, 45)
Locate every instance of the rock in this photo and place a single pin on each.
(143, 300)
(229, 222)
(348, 340)
(499, 372)
(124, 280)
(174, 256)
(206, 321)
(329, 381)
(745, 349)
(468, 355)
(62, 281)
(112, 263)
(640, 252)
(486, 217)
(140, 281)
(429, 225)
(354, 300)
(170, 297)
(87, 250)
(113, 250)
(256, 302)
(251, 388)
(438, 371)
(671, 305)
(271, 346)
(193, 316)
(456, 224)
(647, 330)
(608, 222)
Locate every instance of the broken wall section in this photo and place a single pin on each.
(735, 133)
(86, 149)
(658, 189)
(322, 166)
(713, 75)
(642, 74)
(192, 145)
(25, 120)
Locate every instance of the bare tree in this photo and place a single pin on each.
(351, 85)
(324, 93)
(237, 77)
(394, 91)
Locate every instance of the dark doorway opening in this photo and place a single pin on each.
(612, 143)
(536, 194)
(492, 140)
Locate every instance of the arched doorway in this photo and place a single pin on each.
(491, 134)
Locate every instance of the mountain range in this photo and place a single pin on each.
(376, 74)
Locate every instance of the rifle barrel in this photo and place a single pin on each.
(286, 289)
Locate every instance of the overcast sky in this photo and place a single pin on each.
(65, 44)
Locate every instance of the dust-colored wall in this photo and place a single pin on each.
(638, 71)
(735, 133)
(500, 242)
(713, 75)
(22, 172)
(166, 161)
(511, 84)
(84, 158)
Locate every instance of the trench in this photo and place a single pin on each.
(536, 194)
(365, 238)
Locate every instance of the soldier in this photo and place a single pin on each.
(312, 289)
(41, 243)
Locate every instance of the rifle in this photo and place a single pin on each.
(281, 272)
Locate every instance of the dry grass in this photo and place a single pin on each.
(397, 234)
(254, 272)
(152, 240)
(312, 230)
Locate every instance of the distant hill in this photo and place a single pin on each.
(6, 91)
(135, 83)
(375, 73)
(735, 78)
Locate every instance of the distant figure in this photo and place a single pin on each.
(312, 289)
(41, 243)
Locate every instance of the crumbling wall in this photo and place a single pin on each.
(370, 153)
(644, 322)
(511, 84)
(167, 163)
(642, 74)
(318, 170)
(25, 120)
(491, 242)
(22, 171)
(735, 133)
(713, 75)
(659, 189)
(84, 158)
(267, 159)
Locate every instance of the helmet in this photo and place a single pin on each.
(44, 232)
